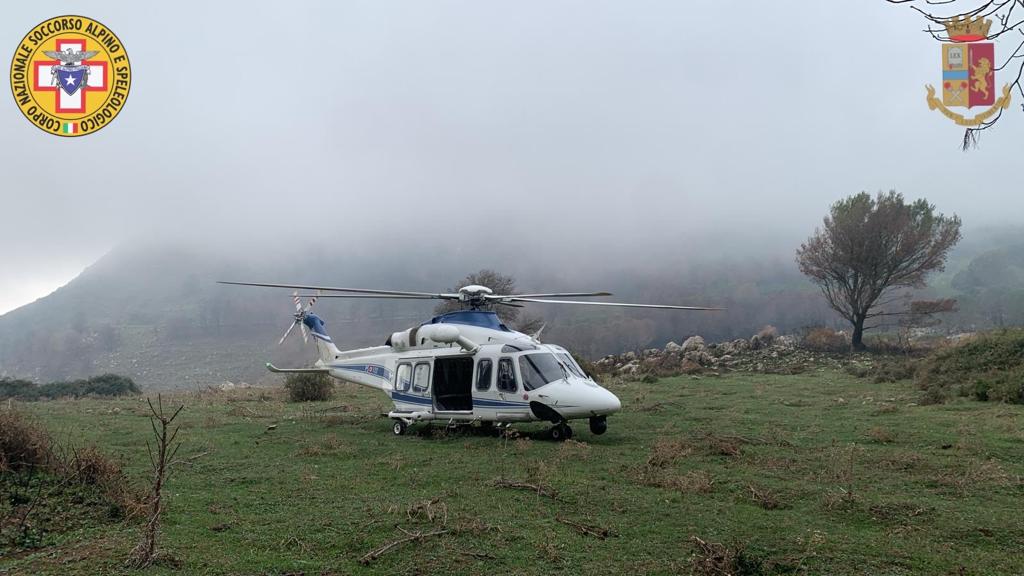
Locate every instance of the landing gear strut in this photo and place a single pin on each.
(560, 432)
(598, 425)
(399, 428)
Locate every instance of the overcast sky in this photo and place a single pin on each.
(587, 126)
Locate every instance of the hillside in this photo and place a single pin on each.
(155, 313)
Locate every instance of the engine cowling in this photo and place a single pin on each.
(439, 333)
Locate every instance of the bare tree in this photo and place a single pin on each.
(161, 462)
(1007, 23)
(923, 314)
(500, 284)
(869, 248)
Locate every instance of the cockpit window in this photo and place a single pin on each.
(539, 369)
(571, 364)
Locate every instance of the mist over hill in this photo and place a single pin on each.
(155, 313)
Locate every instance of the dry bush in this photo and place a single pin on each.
(722, 445)
(24, 444)
(979, 476)
(94, 468)
(824, 339)
(882, 435)
(765, 498)
(768, 334)
(667, 450)
(714, 559)
(430, 510)
(842, 470)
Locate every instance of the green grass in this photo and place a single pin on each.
(863, 481)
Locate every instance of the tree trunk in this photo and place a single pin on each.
(857, 341)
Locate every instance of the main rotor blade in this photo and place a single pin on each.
(619, 304)
(353, 290)
(509, 304)
(552, 295)
(392, 296)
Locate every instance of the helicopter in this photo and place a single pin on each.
(464, 366)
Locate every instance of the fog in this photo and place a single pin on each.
(581, 134)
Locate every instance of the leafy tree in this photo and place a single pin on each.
(870, 247)
(500, 284)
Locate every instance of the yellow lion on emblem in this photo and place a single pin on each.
(980, 76)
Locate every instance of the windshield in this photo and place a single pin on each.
(571, 364)
(539, 369)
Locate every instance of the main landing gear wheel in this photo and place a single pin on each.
(399, 428)
(560, 432)
(599, 425)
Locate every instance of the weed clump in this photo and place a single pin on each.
(23, 444)
(714, 559)
(309, 387)
(824, 339)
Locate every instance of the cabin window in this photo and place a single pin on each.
(403, 377)
(539, 369)
(483, 374)
(421, 377)
(506, 376)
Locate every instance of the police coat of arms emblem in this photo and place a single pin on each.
(968, 73)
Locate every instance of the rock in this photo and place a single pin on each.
(786, 341)
(630, 368)
(630, 356)
(739, 345)
(699, 357)
(693, 343)
(725, 359)
(672, 347)
(226, 385)
(690, 367)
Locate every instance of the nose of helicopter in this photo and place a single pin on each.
(604, 402)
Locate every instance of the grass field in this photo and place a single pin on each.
(819, 473)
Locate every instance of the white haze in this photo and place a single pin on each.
(557, 131)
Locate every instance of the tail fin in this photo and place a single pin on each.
(324, 345)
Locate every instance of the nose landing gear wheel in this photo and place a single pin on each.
(598, 425)
(399, 428)
(560, 432)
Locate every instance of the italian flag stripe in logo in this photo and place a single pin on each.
(71, 128)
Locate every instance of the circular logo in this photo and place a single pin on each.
(70, 76)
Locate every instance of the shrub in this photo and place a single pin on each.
(823, 339)
(16, 388)
(24, 444)
(986, 367)
(103, 385)
(309, 387)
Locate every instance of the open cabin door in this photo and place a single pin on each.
(453, 384)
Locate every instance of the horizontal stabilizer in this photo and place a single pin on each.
(277, 370)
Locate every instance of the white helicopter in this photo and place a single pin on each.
(464, 366)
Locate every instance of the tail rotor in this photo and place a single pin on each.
(300, 316)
